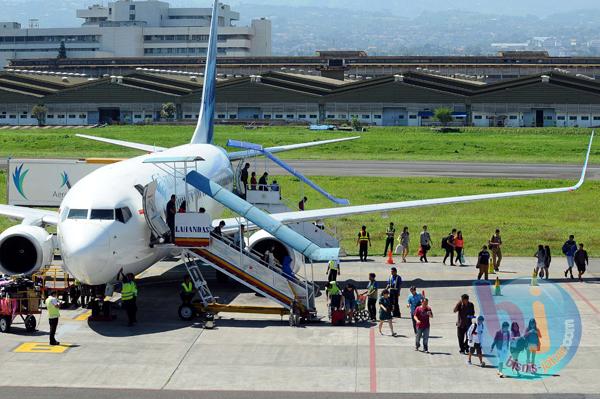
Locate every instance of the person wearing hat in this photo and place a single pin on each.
(475, 335)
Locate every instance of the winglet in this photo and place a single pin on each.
(205, 126)
(585, 164)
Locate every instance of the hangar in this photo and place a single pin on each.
(545, 99)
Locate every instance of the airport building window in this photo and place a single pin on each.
(366, 116)
(412, 116)
(148, 116)
(477, 117)
(313, 116)
(187, 116)
(330, 116)
(267, 116)
(278, 116)
(560, 117)
(61, 116)
(102, 214)
(376, 116)
(12, 116)
(585, 118)
(572, 118)
(50, 116)
(78, 214)
(123, 214)
(72, 116)
(221, 116)
(290, 116)
(137, 116)
(82, 116)
(232, 116)
(597, 118)
(2, 116)
(548, 117)
(342, 116)
(301, 116)
(513, 117)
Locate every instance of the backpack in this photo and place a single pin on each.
(565, 248)
(445, 242)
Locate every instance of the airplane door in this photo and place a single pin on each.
(153, 213)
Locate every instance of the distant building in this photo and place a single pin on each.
(548, 99)
(147, 28)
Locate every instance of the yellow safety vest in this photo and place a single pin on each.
(334, 290)
(129, 291)
(333, 265)
(53, 312)
(363, 236)
(187, 288)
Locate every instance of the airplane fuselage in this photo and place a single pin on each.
(102, 227)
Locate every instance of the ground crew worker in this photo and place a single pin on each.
(52, 305)
(333, 270)
(187, 290)
(390, 233)
(129, 296)
(364, 242)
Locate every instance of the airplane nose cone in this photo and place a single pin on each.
(85, 249)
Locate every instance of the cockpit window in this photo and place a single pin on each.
(102, 214)
(123, 214)
(78, 214)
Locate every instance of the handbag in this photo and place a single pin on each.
(420, 252)
(399, 249)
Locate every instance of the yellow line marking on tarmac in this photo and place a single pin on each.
(84, 316)
(38, 347)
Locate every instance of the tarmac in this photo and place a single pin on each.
(163, 356)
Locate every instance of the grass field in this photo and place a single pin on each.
(525, 222)
(547, 145)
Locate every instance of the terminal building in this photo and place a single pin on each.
(552, 98)
(136, 29)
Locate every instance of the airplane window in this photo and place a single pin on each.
(102, 214)
(123, 214)
(78, 214)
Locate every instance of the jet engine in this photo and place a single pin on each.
(25, 249)
(261, 241)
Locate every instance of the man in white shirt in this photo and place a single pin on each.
(475, 335)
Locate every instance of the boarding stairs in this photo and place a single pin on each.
(250, 270)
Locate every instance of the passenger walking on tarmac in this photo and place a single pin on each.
(425, 244)
(465, 311)
(483, 263)
(171, 211)
(459, 245)
(385, 312)
(390, 234)
(581, 261)
(496, 248)
(244, 177)
(187, 290)
(475, 335)
(302, 203)
(253, 181)
(501, 343)
(349, 295)
(129, 294)
(517, 344)
(541, 257)
(371, 294)
(413, 302)
(405, 242)
(394, 284)
(547, 261)
(364, 242)
(52, 306)
(532, 336)
(422, 316)
(569, 248)
(263, 184)
(334, 296)
(333, 270)
(448, 244)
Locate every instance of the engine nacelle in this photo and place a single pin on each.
(25, 249)
(261, 241)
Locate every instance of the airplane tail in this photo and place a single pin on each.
(205, 127)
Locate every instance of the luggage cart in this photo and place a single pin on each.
(23, 305)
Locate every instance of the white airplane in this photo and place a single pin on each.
(101, 226)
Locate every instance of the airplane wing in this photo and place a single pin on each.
(326, 213)
(127, 144)
(235, 156)
(30, 216)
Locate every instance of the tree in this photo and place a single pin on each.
(443, 115)
(39, 112)
(356, 126)
(62, 51)
(168, 111)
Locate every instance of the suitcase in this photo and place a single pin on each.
(338, 318)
